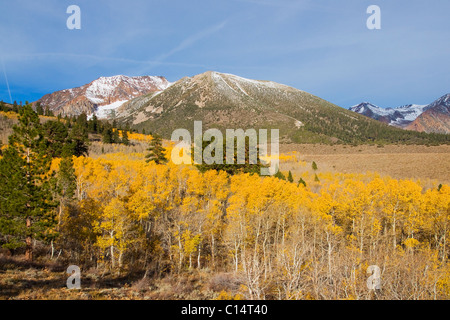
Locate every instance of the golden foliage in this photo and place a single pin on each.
(284, 240)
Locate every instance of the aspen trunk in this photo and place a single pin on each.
(29, 244)
(113, 262)
(394, 241)
(199, 257)
(213, 258)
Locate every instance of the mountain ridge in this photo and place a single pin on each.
(226, 101)
(431, 118)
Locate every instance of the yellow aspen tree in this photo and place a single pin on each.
(117, 231)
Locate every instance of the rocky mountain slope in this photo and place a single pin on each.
(102, 96)
(431, 118)
(435, 119)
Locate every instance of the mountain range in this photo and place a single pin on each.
(222, 101)
(434, 117)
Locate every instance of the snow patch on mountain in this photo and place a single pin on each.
(105, 87)
(400, 116)
(366, 107)
(108, 110)
(411, 112)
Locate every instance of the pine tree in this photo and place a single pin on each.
(316, 178)
(65, 183)
(107, 134)
(279, 174)
(93, 124)
(156, 151)
(115, 136)
(314, 166)
(301, 181)
(82, 120)
(235, 167)
(55, 137)
(48, 112)
(290, 178)
(39, 109)
(26, 203)
(125, 139)
(78, 141)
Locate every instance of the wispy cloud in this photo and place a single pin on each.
(53, 56)
(6, 79)
(274, 3)
(185, 44)
(191, 40)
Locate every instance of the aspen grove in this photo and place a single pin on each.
(283, 240)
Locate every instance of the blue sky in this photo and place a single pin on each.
(319, 46)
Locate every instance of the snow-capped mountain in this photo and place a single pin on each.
(214, 93)
(408, 113)
(442, 104)
(223, 100)
(399, 117)
(411, 116)
(435, 119)
(102, 96)
(372, 111)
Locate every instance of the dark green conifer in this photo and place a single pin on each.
(290, 178)
(156, 151)
(26, 201)
(301, 181)
(125, 139)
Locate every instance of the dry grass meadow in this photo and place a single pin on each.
(417, 162)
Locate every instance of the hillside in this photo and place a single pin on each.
(228, 101)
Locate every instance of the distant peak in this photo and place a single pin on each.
(364, 104)
(445, 97)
